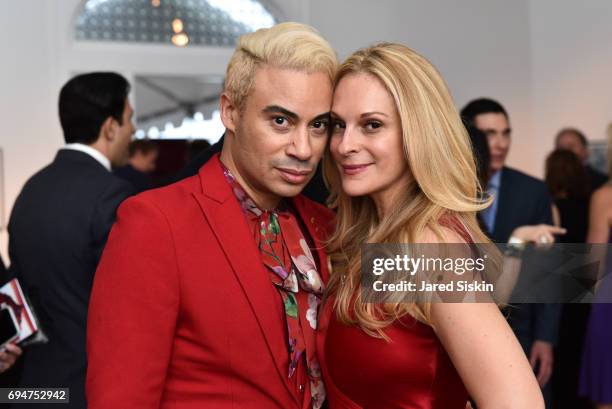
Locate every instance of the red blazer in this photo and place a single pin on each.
(183, 313)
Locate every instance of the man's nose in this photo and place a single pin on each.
(301, 147)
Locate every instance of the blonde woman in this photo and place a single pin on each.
(400, 169)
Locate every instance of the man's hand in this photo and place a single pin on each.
(8, 356)
(542, 356)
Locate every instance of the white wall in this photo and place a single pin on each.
(547, 61)
(572, 68)
(29, 129)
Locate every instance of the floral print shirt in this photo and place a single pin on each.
(293, 271)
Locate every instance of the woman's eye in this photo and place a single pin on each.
(372, 125)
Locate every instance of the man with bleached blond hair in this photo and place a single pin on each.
(207, 292)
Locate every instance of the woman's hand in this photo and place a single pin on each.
(8, 356)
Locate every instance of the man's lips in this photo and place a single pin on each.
(351, 170)
(294, 176)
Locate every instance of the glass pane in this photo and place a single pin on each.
(179, 22)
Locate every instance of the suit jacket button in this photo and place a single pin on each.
(312, 220)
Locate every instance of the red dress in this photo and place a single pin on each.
(412, 371)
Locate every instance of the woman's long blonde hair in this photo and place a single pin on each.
(443, 183)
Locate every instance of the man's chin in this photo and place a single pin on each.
(496, 167)
(289, 190)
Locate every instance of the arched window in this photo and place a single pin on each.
(178, 22)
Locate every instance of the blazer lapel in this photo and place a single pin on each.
(225, 217)
(501, 216)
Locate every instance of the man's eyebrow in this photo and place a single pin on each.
(323, 116)
(272, 109)
(493, 130)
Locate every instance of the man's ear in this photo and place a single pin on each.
(109, 128)
(229, 112)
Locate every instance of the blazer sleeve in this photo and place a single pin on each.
(105, 212)
(546, 316)
(133, 311)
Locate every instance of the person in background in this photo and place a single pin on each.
(195, 148)
(568, 183)
(141, 163)
(10, 353)
(482, 156)
(572, 139)
(596, 371)
(197, 159)
(8, 356)
(59, 226)
(519, 200)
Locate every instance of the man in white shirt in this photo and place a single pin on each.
(60, 223)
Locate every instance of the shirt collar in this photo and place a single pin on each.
(495, 180)
(248, 205)
(94, 153)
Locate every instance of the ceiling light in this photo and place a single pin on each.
(180, 40)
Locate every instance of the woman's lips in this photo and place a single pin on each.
(293, 176)
(352, 170)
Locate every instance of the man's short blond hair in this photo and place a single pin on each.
(287, 45)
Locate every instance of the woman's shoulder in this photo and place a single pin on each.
(603, 194)
(448, 229)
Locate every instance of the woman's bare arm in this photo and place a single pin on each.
(485, 351)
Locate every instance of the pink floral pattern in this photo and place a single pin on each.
(285, 252)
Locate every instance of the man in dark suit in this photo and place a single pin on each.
(519, 200)
(572, 139)
(60, 223)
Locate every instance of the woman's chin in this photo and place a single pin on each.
(355, 189)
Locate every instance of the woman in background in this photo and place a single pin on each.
(568, 184)
(401, 170)
(596, 373)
